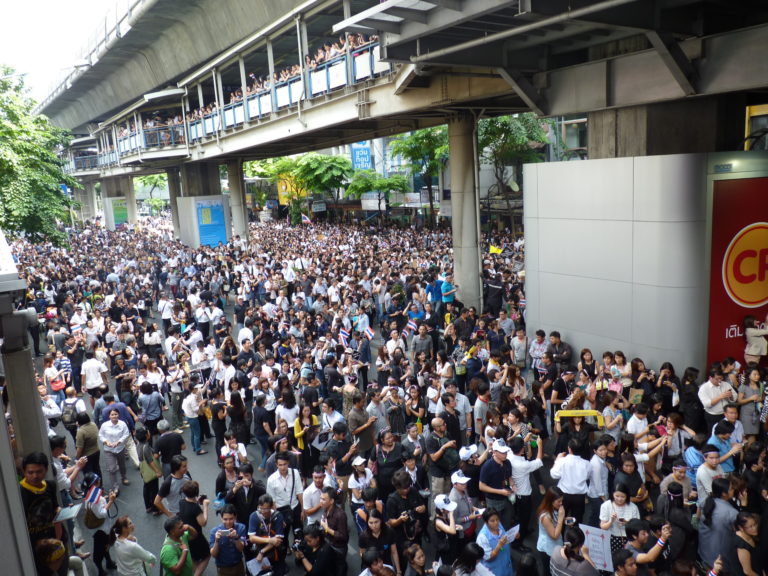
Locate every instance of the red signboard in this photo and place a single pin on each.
(739, 276)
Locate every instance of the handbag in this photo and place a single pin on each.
(147, 472)
(91, 520)
(58, 384)
(636, 395)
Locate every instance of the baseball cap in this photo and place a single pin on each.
(466, 452)
(442, 502)
(359, 461)
(459, 477)
(501, 446)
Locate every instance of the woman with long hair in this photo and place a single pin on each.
(130, 557)
(551, 516)
(671, 507)
(750, 400)
(615, 513)
(237, 418)
(193, 510)
(380, 537)
(417, 561)
(305, 428)
(748, 561)
(227, 476)
(469, 561)
(757, 347)
(572, 558)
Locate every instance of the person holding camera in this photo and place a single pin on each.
(227, 541)
(193, 510)
(245, 493)
(615, 513)
(404, 508)
(315, 555)
(267, 535)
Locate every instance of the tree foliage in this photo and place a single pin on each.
(283, 173)
(324, 174)
(510, 141)
(425, 152)
(31, 175)
(367, 181)
(153, 182)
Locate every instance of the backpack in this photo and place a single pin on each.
(69, 414)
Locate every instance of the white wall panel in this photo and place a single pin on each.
(670, 188)
(532, 243)
(586, 248)
(663, 253)
(531, 191)
(573, 303)
(592, 190)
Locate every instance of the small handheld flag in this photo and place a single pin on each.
(369, 333)
(494, 250)
(305, 219)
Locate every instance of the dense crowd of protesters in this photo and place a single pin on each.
(334, 367)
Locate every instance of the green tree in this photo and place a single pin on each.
(284, 174)
(510, 141)
(324, 174)
(366, 181)
(426, 152)
(156, 205)
(153, 182)
(31, 175)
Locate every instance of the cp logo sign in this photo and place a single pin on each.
(745, 266)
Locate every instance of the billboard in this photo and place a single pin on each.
(361, 156)
(739, 263)
(119, 211)
(211, 224)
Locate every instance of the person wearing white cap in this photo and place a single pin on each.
(496, 481)
(447, 532)
(466, 512)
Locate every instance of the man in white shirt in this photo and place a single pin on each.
(165, 307)
(572, 473)
(521, 475)
(311, 504)
(707, 472)
(714, 394)
(93, 374)
(284, 486)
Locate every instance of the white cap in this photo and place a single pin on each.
(459, 477)
(501, 446)
(442, 502)
(359, 461)
(466, 452)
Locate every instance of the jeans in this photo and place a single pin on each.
(194, 429)
(262, 439)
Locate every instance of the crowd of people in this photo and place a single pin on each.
(350, 397)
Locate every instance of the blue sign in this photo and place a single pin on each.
(361, 157)
(211, 224)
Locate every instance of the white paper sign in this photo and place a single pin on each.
(599, 544)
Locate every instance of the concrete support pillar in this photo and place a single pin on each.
(121, 187)
(174, 191)
(709, 124)
(465, 210)
(200, 179)
(90, 194)
(237, 199)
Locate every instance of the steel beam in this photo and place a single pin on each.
(525, 90)
(674, 59)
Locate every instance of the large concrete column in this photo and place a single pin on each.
(465, 210)
(200, 179)
(237, 199)
(174, 191)
(87, 198)
(709, 124)
(121, 187)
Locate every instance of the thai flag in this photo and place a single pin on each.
(344, 337)
(369, 333)
(412, 326)
(404, 333)
(93, 496)
(75, 328)
(522, 302)
(305, 219)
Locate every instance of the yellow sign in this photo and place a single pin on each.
(286, 192)
(745, 266)
(494, 250)
(205, 215)
(566, 413)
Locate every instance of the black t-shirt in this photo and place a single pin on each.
(240, 313)
(384, 543)
(453, 426)
(548, 373)
(397, 505)
(495, 475)
(260, 416)
(448, 463)
(169, 445)
(337, 449)
(562, 389)
(310, 395)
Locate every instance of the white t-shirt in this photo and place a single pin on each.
(92, 369)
